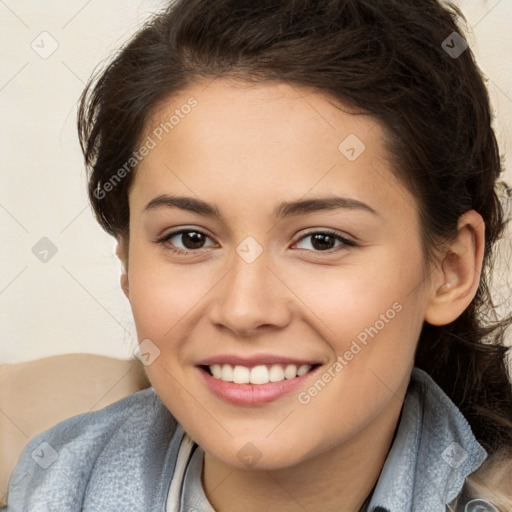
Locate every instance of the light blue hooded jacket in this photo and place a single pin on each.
(125, 457)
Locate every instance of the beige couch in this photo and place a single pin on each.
(38, 394)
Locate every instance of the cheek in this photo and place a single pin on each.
(162, 294)
(371, 317)
(345, 301)
(339, 310)
(382, 288)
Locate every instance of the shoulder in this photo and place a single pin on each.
(478, 481)
(433, 452)
(59, 464)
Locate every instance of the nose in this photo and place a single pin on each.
(251, 297)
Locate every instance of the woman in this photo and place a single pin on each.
(304, 196)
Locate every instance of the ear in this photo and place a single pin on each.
(122, 254)
(456, 282)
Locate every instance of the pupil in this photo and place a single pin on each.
(196, 240)
(326, 239)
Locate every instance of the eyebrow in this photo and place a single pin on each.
(283, 210)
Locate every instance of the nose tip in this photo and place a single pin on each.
(250, 297)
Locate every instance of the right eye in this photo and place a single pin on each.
(192, 239)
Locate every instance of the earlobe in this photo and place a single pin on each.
(124, 284)
(461, 267)
(122, 254)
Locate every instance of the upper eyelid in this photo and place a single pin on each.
(180, 231)
(346, 240)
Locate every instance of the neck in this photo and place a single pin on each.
(338, 480)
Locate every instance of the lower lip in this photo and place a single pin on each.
(253, 394)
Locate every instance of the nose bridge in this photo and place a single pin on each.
(250, 295)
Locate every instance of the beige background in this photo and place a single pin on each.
(73, 302)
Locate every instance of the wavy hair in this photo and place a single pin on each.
(386, 58)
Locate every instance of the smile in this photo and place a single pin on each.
(261, 374)
(254, 381)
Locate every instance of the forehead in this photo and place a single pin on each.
(271, 118)
(235, 140)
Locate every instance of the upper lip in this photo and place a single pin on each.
(256, 360)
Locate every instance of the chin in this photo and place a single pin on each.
(244, 453)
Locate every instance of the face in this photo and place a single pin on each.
(295, 263)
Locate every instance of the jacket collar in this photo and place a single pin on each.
(433, 452)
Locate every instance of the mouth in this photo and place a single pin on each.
(259, 374)
(255, 383)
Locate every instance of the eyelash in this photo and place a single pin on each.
(164, 241)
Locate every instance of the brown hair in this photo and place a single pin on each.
(382, 57)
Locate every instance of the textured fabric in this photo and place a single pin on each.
(116, 459)
(124, 458)
(433, 452)
(193, 496)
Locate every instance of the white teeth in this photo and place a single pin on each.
(276, 373)
(290, 371)
(301, 370)
(227, 373)
(241, 375)
(216, 370)
(260, 374)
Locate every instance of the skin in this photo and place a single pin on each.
(247, 148)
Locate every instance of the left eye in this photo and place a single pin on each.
(323, 240)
